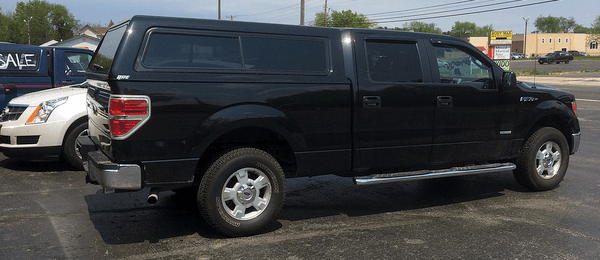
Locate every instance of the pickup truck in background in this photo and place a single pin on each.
(27, 68)
(227, 111)
(557, 56)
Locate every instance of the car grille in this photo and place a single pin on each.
(4, 139)
(12, 112)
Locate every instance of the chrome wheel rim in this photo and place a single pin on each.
(77, 152)
(246, 194)
(548, 160)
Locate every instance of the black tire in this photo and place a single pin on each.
(70, 153)
(256, 184)
(558, 62)
(543, 160)
(567, 62)
(540, 62)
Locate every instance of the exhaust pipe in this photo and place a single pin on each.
(153, 196)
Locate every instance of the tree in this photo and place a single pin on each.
(465, 29)
(38, 21)
(5, 26)
(551, 24)
(596, 25)
(343, 19)
(418, 26)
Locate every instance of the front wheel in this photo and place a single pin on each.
(242, 192)
(70, 152)
(543, 160)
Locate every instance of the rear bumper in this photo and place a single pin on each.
(111, 176)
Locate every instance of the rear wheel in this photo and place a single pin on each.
(543, 160)
(70, 152)
(242, 192)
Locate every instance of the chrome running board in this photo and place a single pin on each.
(427, 174)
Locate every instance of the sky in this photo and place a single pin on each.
(503, 15)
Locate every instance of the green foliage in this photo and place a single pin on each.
(36, 22)
(343, 19)
(418, 26)
(551, 24)
(465, 29)
(5, 27)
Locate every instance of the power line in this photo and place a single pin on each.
(420, 8)
(466, 13)
(449, 11)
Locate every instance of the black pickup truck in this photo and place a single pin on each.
(557, 56)
(227, 111)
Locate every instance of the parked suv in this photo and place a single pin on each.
(228, 111)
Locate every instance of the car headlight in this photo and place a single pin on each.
(43, 111)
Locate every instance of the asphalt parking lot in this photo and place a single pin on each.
(48, 212)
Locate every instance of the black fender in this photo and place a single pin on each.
(245, 116)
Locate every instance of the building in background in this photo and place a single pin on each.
(538, 44)
(87, 37)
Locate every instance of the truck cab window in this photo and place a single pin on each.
(458, 67)
(76, 63)
(393, 62)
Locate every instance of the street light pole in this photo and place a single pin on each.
(28, 30)
(525, 39)
(219, 9)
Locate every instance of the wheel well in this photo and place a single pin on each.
(555, 122)
(256, 137)
(72, 126)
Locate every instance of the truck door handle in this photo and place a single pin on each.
(371, 102)
(444, 101)
(68, 82)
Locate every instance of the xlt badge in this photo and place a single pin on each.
(528, 99)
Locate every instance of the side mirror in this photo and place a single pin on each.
(509, 80)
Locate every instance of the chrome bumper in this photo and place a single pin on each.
(576, 140)
(112, 176)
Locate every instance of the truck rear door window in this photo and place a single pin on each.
(280, 54)
(192, 51)
(391, 61)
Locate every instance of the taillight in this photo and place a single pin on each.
(574, 106)
(127, 114)
(128, 107)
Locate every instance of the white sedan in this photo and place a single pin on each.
(44, 125)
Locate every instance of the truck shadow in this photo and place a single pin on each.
(34, 166)
(125, 218)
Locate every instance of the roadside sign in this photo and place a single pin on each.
(501, 35)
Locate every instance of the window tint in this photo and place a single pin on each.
(107, 50)
(393, 61)
(284, 54)
(458, 67)
(192, 51)
(76, 63)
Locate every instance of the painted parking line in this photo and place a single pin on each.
(588, 100)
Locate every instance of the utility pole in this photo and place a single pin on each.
(301, 12)
(325, 15)
(28, 30)
(219, 9)
(525, 38)
(231, 16)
